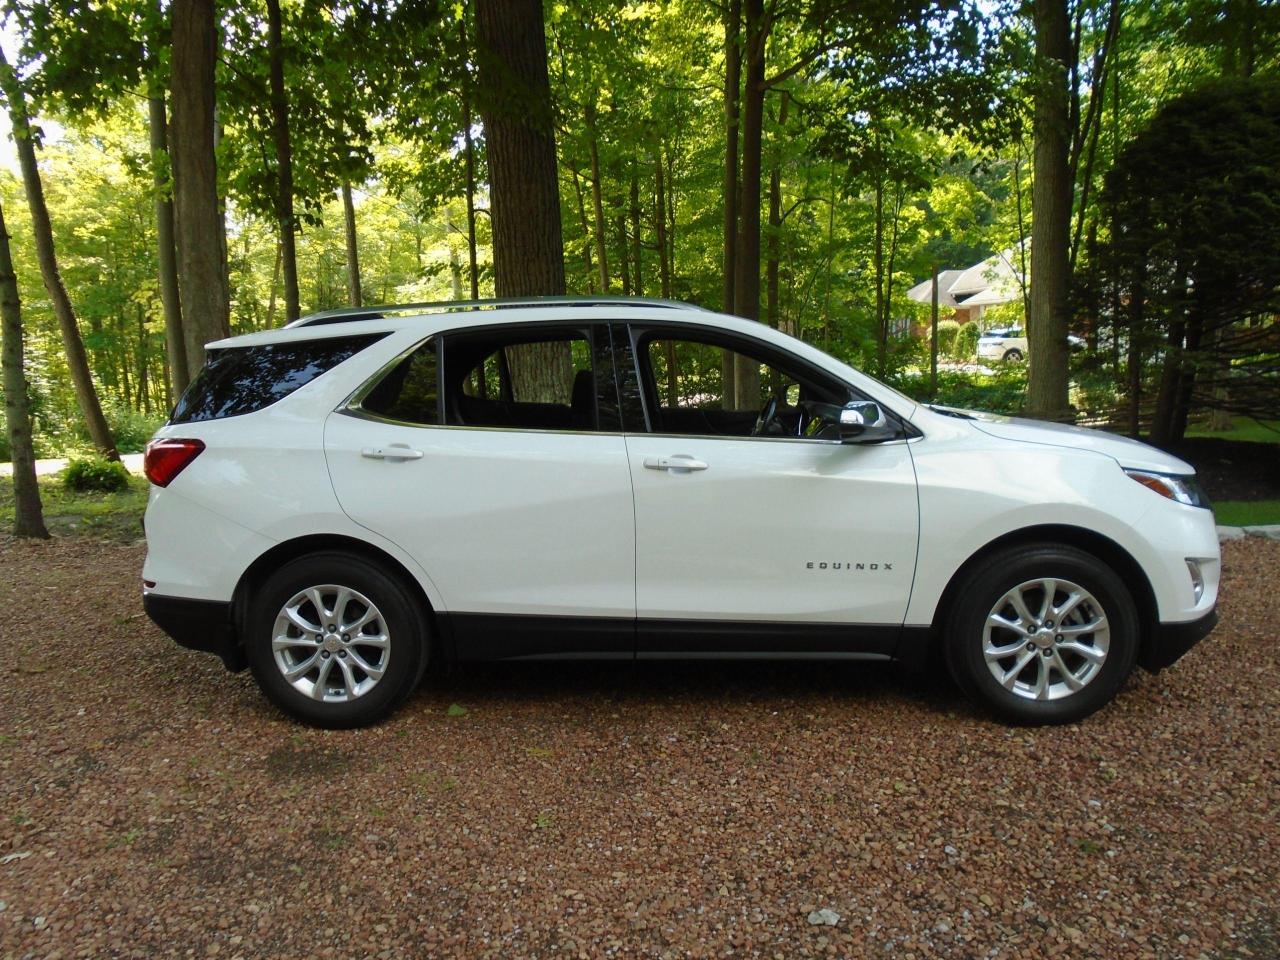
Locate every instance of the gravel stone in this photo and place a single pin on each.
(826, 917)
(637, 810)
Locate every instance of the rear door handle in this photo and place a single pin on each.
(392, 451)
(677, 461)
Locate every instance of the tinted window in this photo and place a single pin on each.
(238, 380)
(515, 380)
(410, 392)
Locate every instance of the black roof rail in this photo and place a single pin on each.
(350, 314)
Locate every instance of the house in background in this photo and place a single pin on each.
(964, 295)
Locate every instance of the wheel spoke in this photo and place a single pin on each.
(357, 624)
(302, 623)
(995, 620)
(287, 643)
(1007, 680)
(347, 675)
(1019, 602)
(1080, 629)
(340, 606)
(317, 599)
(1064, 611)
(1050, 588)
(326, 667)
(302, 669)
(374, 673)
(378, 640)
(1072, 681)
(1092, 654)
(1042, 678)
(992, 652)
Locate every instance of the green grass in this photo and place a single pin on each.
(110, 516)
(1243, 428)
(1246, 513)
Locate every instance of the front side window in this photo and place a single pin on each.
(723, 388)
(239, 380)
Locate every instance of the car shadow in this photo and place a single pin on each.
(653, 682)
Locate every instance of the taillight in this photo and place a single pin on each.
(166, 458)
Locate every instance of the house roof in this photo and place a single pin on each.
(994, 280)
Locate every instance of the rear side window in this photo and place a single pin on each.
(239, 380)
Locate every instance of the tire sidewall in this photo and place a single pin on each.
(405, 623)
(981, 591)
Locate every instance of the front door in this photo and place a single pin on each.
(487, 455)
(761, 533)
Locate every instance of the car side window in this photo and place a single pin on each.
(409, 392)
(524, 379)
(714, 387)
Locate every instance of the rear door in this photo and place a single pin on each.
(494, 455)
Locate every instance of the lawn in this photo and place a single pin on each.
(1243, 428)
(1247, 513)
(110, 516)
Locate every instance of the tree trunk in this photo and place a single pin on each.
(353, 247)
(732, 93)
(77, 360)
(469, 162)
(933, 337)
(635, 234)
(202, 274)
(167, 254)
(28, 519)
(528, 248)
(882, 331)
(586, 230)
(775, 230)
(1051, 196)
(746, 293)
(660, 225)
(284, 162)
(624, 271)
(597, 200)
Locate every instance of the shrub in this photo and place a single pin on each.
(130, 428)
(95, 473)
(947, 330)
(965, 346)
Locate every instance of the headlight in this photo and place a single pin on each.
(1183, 489)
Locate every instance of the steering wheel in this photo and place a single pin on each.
(766, 417)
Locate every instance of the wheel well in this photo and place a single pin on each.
(1104, 548)
(283, 553)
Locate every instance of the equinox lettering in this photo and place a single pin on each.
(845, 565)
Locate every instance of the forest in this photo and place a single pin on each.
(181, 171)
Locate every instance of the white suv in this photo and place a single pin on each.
(345, 503)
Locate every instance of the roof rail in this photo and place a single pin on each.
(349, 314)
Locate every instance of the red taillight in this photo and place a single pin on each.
(165, 459)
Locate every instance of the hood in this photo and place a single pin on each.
(1127, 452)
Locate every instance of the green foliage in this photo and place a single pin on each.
(131, 428)
(965, 345)
(85, 474)
(1004, 391)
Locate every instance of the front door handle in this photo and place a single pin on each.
(392, 451)
(679, 462)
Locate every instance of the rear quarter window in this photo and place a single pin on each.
(239, 380)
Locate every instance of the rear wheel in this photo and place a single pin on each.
(335, 640)
(1013, 355)
(1042, 634)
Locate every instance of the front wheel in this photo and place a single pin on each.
(1013, 356)
(335, 640)
(1042, 634)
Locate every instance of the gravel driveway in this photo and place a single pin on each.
(153, 805)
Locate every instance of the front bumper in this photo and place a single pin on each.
(204, 625)
(1169, 641)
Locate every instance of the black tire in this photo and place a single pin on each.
(994, 577)
(1013, 356)
(407, 648)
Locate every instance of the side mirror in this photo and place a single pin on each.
(864, 422)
